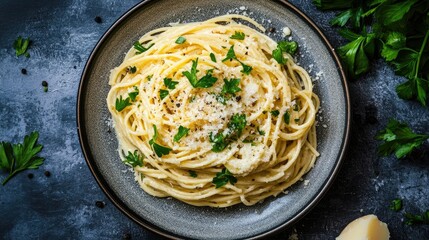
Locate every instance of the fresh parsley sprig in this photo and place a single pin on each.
(121, 103)
(284, 47)
(134, 159)
(15, 158)
(21, 45)
(399, 139)
(396, 205)
(223, 177)
(422, 218)
(205, 82)
(158, 149)
(401, 30)
(180, 40)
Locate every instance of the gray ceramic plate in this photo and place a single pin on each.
(170, 217)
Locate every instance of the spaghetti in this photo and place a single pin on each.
(204, 113)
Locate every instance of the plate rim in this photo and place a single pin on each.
(107, 190)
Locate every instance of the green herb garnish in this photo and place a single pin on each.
(132, 69)
(193, 174)
(180, 40)
(169, 83)
(261, 132)
(139, 47)
(134, 159)
(121, 104)
(235, 128)
(21, 45)
(230, 55)
(159, 149)
(284, 47)
(238, 35)
(286, 117)
(163, 93)
(275, 113)
(396, 205)
(399, 139)
(205, 82)
(231, 86)
(133, 95)
(181, 133)
(423, 218)
(213, 57)
(15, 158)
(223, 177)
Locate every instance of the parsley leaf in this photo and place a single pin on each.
(238, 35)
(399, 139)
(278, 56)
(180, 40)
(235, 128)
(231, 86)
(132, 69)
(223, 177)
(181, 133)
(288, 46)
(205, 82)
(213, 57)
(139, 47)
(286, 117)
(169, 83)
(134, 159)
(163, 93)
(275, 113)
(193, 174)
(133, 95)
(417, 219)
(21, 156)
(261, 132)
(159, 149)
(121, 104)
(396, 205)
(230, 55)
(21, 45)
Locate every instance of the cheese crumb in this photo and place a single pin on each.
(286, 31)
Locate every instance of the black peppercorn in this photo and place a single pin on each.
(44, 83)
(30, 175)
(271, 29)
(100, 204)
(47, 173)
(24, 71)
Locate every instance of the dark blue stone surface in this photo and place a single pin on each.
(63, 205)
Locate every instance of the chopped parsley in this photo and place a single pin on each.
(396, 205)
(159, 149)
(231, 86)
(121, 104)
(223, 177)
(235, 128)
(205, 82)
(15, 158)
(134, 159)
(149, 77)
(21, 45)
(133, 95)
(230, 55)
(286, 117)
(399, 139)
(282, 47)
(238, 35)
(163, 93)
(132, 69)
(261, 132)
(181, 133)
(275, 113)
(180, 40)
(212, 57)
(193, 174)
(139, 47)
(169, 83)
(423, 218)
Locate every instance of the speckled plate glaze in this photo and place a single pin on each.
(173, 218)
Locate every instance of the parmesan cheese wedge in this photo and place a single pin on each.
(365, 228)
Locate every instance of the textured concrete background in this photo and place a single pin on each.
(63, 205)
